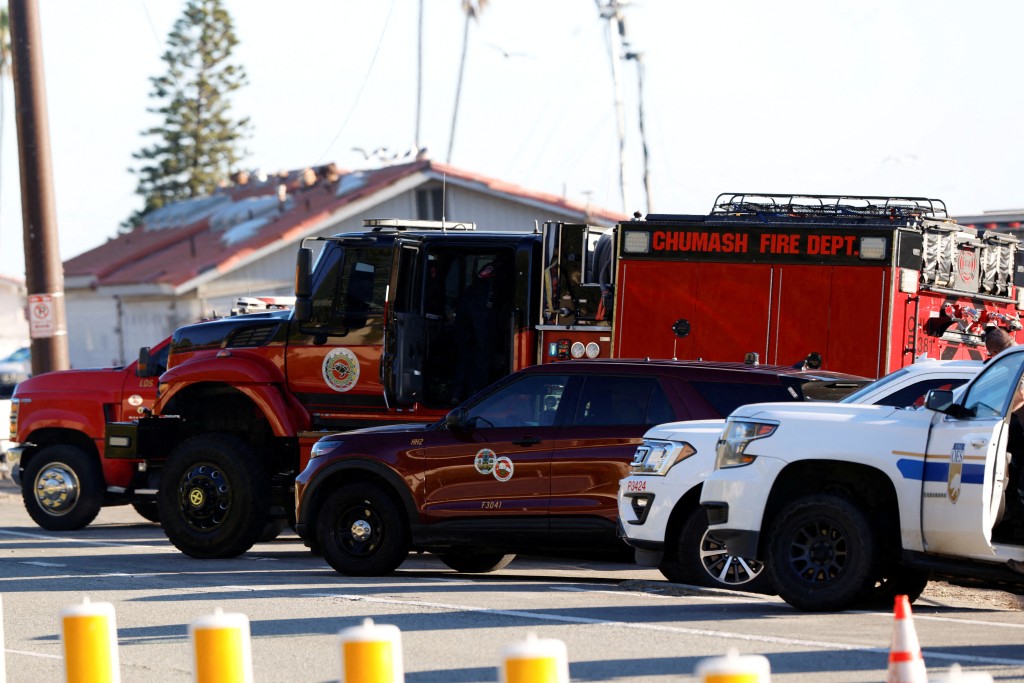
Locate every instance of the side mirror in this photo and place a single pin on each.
(142, 369)
(456, 419)
(304, 284)
(939, 400)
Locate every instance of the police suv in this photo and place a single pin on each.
(847, 504)
(659, 502)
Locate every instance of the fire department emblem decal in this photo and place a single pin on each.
(956, 469)
(503, 468)
(967, 267)
(484, 461)
(341, 369)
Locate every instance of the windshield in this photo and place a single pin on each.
(877, 384)
(20, 355)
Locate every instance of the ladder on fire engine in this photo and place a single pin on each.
(798, 205)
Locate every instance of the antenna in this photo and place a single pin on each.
(444, 198)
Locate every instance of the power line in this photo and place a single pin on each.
(362, 86)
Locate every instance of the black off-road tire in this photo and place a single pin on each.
(361, 531)
(62, 487)
(273, 529)
(822, 553)
(896, 580)
(697, 557)
(214, 497)
(148, 510)
(475, 563)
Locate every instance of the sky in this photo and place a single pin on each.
(874, 97)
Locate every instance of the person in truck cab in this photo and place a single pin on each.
(480, 320)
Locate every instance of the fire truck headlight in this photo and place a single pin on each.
(732, 447)
(636, 242)
(873, 248)
(15, 407)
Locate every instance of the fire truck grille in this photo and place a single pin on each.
(257, 335)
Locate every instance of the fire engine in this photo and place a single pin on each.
(401, 321)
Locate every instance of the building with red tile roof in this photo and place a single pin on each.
(193, 259)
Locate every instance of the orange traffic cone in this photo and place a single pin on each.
(905, 662)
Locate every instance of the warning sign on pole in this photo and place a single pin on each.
(42, 322)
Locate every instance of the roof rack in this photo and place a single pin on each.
(828, 205)
(400, 224)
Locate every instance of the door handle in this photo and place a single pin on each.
(979, 443)
(527, 441)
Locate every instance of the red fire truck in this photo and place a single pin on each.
(861, 284)
(400, 322)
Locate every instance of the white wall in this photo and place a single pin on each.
(92, 329)
(13, 323)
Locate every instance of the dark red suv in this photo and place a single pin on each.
(530, 464)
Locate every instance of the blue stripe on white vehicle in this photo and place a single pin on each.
(938, 471)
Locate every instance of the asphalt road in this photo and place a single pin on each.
(619, 623)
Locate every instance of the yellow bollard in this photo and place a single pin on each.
(222, 652)
(535, 660)
(90, 643)
(371, 653)
(734, 668)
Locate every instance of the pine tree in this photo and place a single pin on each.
(198, 143)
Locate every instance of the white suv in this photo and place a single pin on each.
(659, 503)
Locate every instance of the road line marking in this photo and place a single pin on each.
(707, 633)
(39, 563)
(83, 541)
(928, 617)
(653, 595)
(32, 654)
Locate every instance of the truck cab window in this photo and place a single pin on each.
(351, 293)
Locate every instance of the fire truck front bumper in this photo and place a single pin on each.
(12, 462)
(145, 439)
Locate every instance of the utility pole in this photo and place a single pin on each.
(44, 274)
(616, 29)
(620, 51)
(419, 76)
(638, 59)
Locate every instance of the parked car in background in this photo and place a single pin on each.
(13, 369)
(659, 502)
(531, 464)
